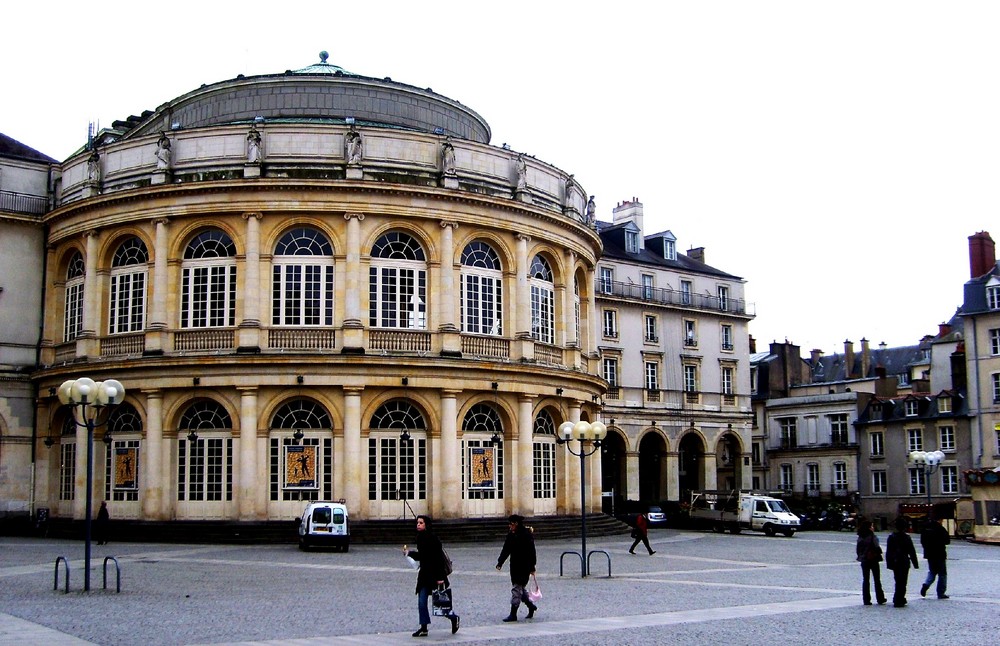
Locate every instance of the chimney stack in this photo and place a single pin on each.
(982, 254)
(696, 253)
(848, 359)
(943, 329)
(815, 355)
(866, 358)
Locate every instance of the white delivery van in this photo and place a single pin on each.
(325, 523)
(736, 511)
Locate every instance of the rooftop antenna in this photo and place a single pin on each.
(91, 131)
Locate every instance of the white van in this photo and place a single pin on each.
(739, 510)
(325, 523)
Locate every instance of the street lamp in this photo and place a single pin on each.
(585, 433)
(88, 398)
(929, 461)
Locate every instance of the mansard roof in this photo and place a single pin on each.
(10, 147)
(613, 237)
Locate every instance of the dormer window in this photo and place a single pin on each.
(944, 404)
(910, 406)
(993, 297)
(632, 241)
(669, 249)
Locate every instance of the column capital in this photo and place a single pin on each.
(449, 224)
(257, 215)
(159, 221)
(451, 392)
(247, 390)
(353, 390)
(523, 237)
(91, 233)
(352, 216)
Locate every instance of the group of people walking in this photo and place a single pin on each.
(900, 554)
(519, 547)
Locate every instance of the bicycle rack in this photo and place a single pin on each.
(561, 557)
(55, 584)
(118, 573)
(591, 553)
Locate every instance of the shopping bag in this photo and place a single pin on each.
(441, 602)
(536, 594)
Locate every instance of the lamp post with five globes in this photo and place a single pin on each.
(585, 433)
(929, 461)
(88, 398)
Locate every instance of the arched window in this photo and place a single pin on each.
(543, 458)
(301, 469)
(482, 468)
(482, 290)
(397, 468)
(208, 281)
(121, 462)
(398, 283)
(73, 316)
(302, 279)
(128, 287)
(542, 301)
(205, 463)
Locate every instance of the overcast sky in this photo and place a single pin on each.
(835, 155)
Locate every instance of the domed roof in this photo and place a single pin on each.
(322, 67)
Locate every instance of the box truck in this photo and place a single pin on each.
(739, 510)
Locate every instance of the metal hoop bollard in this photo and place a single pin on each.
(55, 584)
(118, 573)
(574, 553)
(591, 553)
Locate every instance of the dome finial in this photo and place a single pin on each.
(323, 56)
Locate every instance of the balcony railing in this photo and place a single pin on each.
(203, 340)
(123, 344)
(548, 354)
(21, 203)
(666, 296)
(652, 395)
(400, 341)
(301, 339)
(486, 347)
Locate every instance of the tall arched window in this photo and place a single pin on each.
(302, 279)
(301, 469)
(208, 281)
(128, 287)
(482, 462)
(121, 463)
(543, 458)
(73, 316)
(397, 468)
(542, 301)
(482, 290)
(205, 460)
(398, 283)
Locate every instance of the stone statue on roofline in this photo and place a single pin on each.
(254, 155)
(163, 152)
(591, 211)
(448, 158)
(353, 147)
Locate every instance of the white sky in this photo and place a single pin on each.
(836, 155)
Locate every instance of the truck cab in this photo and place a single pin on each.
(325, 523)
(768, 515)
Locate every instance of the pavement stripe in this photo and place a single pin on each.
(527, 629)
(14, 630)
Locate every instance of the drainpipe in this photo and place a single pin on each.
(977, 437)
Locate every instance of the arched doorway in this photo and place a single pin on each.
(614, 480)
(652, 468)
(691, 476)
(729, 462)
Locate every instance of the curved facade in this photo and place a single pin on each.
(290, 287)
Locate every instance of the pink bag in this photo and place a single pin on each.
(536, 594)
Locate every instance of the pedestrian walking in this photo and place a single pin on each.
(432, 573)
(899, 554)
(641, 534)
(869, 554)
(102, 524)
(934, 539)
(520, 547)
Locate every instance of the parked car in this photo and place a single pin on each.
(656, 516)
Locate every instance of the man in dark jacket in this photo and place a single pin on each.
(520, 547)
(934, 539)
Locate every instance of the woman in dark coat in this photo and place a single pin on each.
(431, 574)
(869, 554)
(520, 547)
(899, 553)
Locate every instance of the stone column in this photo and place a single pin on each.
(353, 457)
(247, 484)
(525, 500)
(249, 327)
(573, 466)
(152, 494)
(353, 329)
(631, 475)
(523, 304)
(569, 300)
(708, 468)
(156, 337)
(673, 459)
(80, 481)
(87, 344)
(450, 459)
(446, 298)
(588, 344)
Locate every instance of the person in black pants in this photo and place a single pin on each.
(934, 540)
(869, 554)
(899, 553)
(432, 573)
(641, 534)
(520, 547)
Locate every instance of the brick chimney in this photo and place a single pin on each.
(815, 355)
(943, 330)
(696, 253)
(753, 345)
(848, 359)
(982, 254)
(866, 358)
